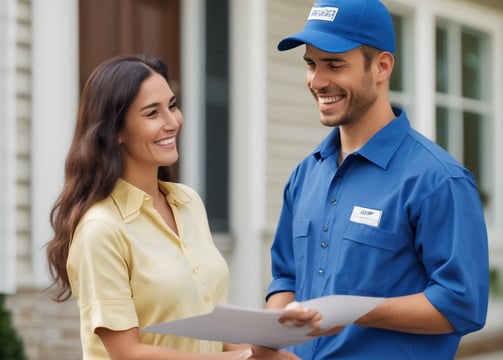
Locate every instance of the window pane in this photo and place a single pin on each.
(396, 80)
(217, 165)
(472, 64)
(442, 75)
(474, 152)
(472, 137)
(442, 128)
(461, 71)
(217, 115)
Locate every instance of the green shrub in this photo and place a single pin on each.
(11, 345)
(495, 282)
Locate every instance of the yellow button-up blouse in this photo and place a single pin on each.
(129, 269)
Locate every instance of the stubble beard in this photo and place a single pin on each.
(362, 100)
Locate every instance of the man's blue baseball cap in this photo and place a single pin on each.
(341, 25)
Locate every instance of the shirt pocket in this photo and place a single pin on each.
(300, 231)
(366, 260)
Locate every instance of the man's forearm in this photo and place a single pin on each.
(411, 313)
(280, 299)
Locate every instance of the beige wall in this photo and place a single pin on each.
(49, 330)
(495, 4)
(293, 127)
(290, 137)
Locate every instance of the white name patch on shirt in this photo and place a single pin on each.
(366, 216)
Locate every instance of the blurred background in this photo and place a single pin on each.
(248, 120)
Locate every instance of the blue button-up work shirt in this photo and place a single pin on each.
(399, 216)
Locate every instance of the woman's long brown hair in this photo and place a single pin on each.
(95, 160)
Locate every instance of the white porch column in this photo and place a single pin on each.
(424, 81)
(55, 98)
(193, 94)
(248, 134)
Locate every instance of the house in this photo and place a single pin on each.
(248, 121)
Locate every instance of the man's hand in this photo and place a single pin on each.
(296, 315)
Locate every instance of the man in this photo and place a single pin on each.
(377, 209)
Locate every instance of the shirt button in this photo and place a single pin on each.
(324, 244)
(325, 228)
(321, 271)
(333, 201)
(206, 299)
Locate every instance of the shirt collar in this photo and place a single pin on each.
(379, 149)
(129, 199)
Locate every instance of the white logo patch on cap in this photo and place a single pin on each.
(323, 13)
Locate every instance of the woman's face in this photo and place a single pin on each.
(153, 121)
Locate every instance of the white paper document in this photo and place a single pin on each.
(243, 325)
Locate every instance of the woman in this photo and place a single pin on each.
(133, 247)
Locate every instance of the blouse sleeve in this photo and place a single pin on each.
(98, 271)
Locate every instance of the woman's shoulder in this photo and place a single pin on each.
(104, 213)
(101, 208)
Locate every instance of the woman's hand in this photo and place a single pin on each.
(263, 353)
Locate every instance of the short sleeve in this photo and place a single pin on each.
(98, 270)
(453, 237)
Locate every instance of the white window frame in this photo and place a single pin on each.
(456, 104)
(420, 98)
(242, 244)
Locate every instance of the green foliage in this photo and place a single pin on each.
(495, 282)
(11, 346)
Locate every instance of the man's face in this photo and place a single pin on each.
(342, 88)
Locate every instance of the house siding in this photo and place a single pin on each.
(48, 330)
(293, 128)
(23, 139)
(51, 330)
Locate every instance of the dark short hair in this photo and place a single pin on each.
(369, 54)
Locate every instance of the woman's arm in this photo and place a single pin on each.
(126, 345)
